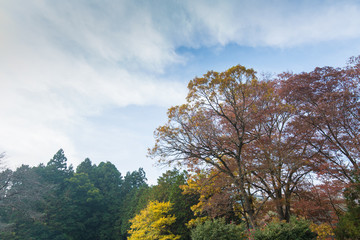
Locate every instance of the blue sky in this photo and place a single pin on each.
(97, 77)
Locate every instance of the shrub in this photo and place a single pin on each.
(296, 229)
(349, 225)
(323, 230)
(218, 230)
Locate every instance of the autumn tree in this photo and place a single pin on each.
(320, 203)
(218, 197)
(328, 101)
(223, 115)
(280, 159)
(153, 223)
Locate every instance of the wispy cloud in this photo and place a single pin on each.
(275, 23)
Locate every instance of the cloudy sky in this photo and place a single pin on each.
(96, 77)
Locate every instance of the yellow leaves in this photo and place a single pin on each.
(196, 221)
(323, 230)
(214, 84)
(152, 223)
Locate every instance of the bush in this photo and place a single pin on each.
(349, 225)
(217, 230)
(323, 230)
(294, 230)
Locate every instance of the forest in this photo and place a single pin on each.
(254, 157)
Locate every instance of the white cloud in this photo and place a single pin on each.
(275, 23)
(59, 65)
(63, 61)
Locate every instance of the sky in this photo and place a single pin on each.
(96, 78)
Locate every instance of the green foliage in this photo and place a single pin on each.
(134, 180)
(168, 189)
(349, 224)
(296, 229)
(77, 209)
(56, 170)
(22, 208)
(135, 197)
(218, 229)
(134, 202)
(108, 180)
(52, 202)
(31, 230)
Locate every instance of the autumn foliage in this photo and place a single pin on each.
(153, 223)
(256, 145)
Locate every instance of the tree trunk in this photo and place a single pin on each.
(249, 211)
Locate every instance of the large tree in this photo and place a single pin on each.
(223, 115)
(237, 129)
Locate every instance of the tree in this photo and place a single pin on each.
(135, 197)
(22, 205)
(169, 189)
(328, 101)
(5, 176)
(109, 181)
(77, 211)
(56, 170)
(223, 114)
(321, 203)
(5, 182)
(238, 129)
(218, 197)
(153, 223)
(134, 180)
(280, 159)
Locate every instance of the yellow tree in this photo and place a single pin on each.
(153, 223)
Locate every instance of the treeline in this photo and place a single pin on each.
(54, 201)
